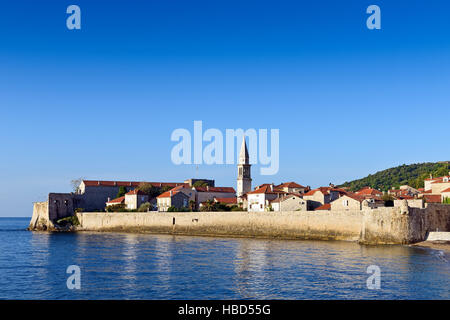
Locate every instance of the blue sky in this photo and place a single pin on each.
(102, 102)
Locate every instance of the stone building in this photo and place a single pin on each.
(320, 196)
(131, 200)
(172, 198)
(135, 198)
(292, 187)
(93, 194)
(203, 194)
(260, 198)
(290, 202)
(244, 180)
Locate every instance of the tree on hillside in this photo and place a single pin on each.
(200, 183)
(149, 189)
(166, 188)
(122, 191)
(412, 175)
(76, 184)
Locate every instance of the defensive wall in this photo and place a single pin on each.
(384, 225)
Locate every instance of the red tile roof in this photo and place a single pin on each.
(266, 189)
(324, 190)
(432, 198)
(103, 183)
(174, 191)
(117, 200)
(136, 191)
(326, 206)
(446, 190)
(290, 185)
(356, 196)
(401, 197)
(369, 191)
(215, 189)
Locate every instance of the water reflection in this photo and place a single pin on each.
(130, 266)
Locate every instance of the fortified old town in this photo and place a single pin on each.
(287, 210)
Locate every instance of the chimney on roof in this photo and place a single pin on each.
(171, 193)
(109, 199)
(271, 187)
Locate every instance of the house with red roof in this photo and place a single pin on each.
(175, 197)
(135, 198)
(116, 201)
(370, 193)
(320, 196)
(440, 185)
(203, 194)
(445, 194)
(354, 201)
(432, 198)
(259, 199)
(131, 200)
(291, 187)
(197, 195)
(289, 202)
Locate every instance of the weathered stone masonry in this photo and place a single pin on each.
(394, 225)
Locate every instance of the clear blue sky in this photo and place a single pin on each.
(102, 102)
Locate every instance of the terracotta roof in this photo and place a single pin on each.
(136, 191)
(226, 200)
(117, 200)
(266, 189)
(290, 185)
(103, 183)
(407, 197)
(324, 190)
(369, 191)
(355, 196)
(446, 190)
(340, 190)
(174, 190)
(326, 206)
(215, 189)
(432, 198)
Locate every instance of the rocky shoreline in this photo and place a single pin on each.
(439, 245)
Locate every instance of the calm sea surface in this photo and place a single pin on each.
(132, 266)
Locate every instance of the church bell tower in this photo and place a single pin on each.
(244, 180)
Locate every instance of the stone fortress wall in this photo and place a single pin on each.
(384, 225)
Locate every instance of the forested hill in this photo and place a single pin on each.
(412, 175)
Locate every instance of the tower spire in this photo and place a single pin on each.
(243, 155)
(244, 180)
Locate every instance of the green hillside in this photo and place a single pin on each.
(412, 174)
